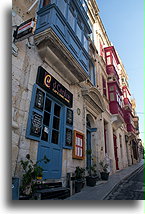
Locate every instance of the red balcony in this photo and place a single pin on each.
(127, 104)
(128, 117)
(115, 108)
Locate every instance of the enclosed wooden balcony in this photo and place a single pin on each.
(62, 38)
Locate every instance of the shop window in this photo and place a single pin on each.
(55, 135)
(45, 133)
(57, 110)
(78, 147)
(56, 123)
(46, 119)
(46, 2)
(48, 105)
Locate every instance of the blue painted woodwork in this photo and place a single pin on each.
(55, 17)
(46, 147)
(88, 148)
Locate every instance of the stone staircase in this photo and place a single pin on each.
(50, 191)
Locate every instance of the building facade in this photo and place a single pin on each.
(69, 91)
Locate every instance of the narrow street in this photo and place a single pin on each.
(129, 189)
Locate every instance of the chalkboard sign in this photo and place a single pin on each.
(68, 137)
(15, 188)
(69, 117)
(39, 99)
(36, 124)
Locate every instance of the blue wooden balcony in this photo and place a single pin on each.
(68, 26)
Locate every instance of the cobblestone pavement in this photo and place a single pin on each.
(129, 189)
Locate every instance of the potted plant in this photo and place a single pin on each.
(104, 170)
(79, 178)
(92, 172)
(92, 175)
(32, 172)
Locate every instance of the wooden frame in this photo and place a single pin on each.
(78, 145)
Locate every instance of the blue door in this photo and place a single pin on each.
(51, 139)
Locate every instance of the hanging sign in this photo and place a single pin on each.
(25, 30)
(51, 85)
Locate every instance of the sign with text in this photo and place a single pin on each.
(51, 85)
(25, 30)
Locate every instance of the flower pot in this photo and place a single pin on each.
(104, 175)
(91, 180)
(78, 185)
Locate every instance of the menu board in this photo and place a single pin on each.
(69, 117)
(68, 137)
(78, 146)
(39, 99)
(36, 124)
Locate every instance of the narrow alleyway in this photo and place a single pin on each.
(129, 189)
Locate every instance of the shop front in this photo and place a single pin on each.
(50, 122)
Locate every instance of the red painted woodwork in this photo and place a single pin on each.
(128, 117)
(127, 103)
(115, 151)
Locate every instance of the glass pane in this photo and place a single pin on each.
(45, 133)
(48, 105)
(55, 135)
(57, 110)
(56, 123)
(71, 20)
(46, 2)
(62, 6)
(46, 119)
(85, 43)
(79, 32)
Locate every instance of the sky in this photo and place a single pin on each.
(123, 21)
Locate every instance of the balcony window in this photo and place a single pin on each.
(111, 88)
(112, 97)
(86, 43)
(104, 87)
(92, 73)
(62, 6)
(84, 4)
(79, 30)
(46, 2)
(71, 19)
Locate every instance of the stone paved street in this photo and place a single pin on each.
(129, 189)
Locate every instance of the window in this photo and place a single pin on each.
(71, 18)
(111, 88)
(86, 43)
(79, 30)
(92, 73)
(104, 87)
(84, 4)
(112, 97)
(46, 2)
(62, 6)
(78, 149)
(109, 60)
